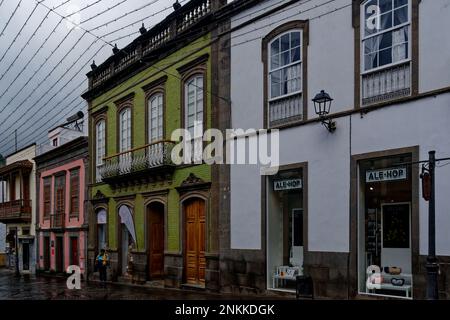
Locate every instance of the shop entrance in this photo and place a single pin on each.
(285, 216)
(155, 240)
(384, 227)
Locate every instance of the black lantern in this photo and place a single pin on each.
(322, 104)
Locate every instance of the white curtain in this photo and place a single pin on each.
(101, 216)
(127, 219)
(399, 44)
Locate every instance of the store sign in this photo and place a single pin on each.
(386, 175)
(288, 184)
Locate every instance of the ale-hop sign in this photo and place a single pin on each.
(392, 174)
(287, 184)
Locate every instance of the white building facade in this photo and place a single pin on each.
(344, 201)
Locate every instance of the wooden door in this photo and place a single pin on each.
(74, 251)
(195, 262)
(46, 253)
(155, 236)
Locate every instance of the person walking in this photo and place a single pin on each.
(102, 265)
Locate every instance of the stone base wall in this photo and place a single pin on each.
(173, 270)
(329, 272)
(212, 274)
(139, 272)
(242, 272)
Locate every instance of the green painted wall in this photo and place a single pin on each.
(172, 122)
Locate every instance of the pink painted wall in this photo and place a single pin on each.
(69, 222)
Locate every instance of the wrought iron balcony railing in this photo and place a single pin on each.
(152, 156)
(15, 210)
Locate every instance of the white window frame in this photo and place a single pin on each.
(125, 116)
(270, 71)
(199, 91)
(159, 126)
(100, 144)
(376, 34)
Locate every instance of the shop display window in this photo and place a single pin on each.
(384, 227)
(285, 229)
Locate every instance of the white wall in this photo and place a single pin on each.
(434, 38)
(331, 67)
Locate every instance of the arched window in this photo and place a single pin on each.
(155, 117)
(125, 130)
(285, 77)
(194, 105)
(100, 146)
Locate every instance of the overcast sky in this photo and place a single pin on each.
(37, 92)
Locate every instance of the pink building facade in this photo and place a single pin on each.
(62, 222)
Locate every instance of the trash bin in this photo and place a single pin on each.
(304, 287)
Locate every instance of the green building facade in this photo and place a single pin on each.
(158, 221)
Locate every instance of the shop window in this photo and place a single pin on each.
(384, 227)
(285, 229)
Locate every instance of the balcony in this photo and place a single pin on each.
(15, 211)
(386, 84)
(57, 220)
(160, 35)
(152, 158)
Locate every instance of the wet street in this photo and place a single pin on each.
(29, 287)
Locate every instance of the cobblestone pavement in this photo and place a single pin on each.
(29, 287)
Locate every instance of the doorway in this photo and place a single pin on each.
(155, 240)
(195, 262)
(74, 260)
(59, 254)
(26, 256)
(384, 226)
(46, 253)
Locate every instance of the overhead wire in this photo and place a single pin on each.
(12, 15)
(282, 19)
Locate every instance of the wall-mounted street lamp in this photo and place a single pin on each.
(322, 104)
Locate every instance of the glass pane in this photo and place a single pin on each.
(285, 59)
(386, 21)
(399, 3)
(295, 39)
(275, 79)
(295, 54)
(400, 16)
(275, 47)
(385, 57)
(275, 62)
(370, 18)
(199, 83)
(285, 42)
(370, 61)
(385, 5)
(400, 36)
(386, 40)
(400, 52)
